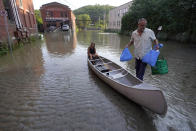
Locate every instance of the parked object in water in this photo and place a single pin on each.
(124, 82)
(51, 28)
(161, 67)
(65, 27)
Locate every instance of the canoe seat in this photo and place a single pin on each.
(103, 64)
(94, 59)
(119, 75)
(102, 68)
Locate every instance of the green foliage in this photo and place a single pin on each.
(3, 49)
(38, 16)
(39, 20)
(84, 21)
(176, 16)
(97, 13)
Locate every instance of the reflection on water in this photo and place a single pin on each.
(19, 86)
(178, 85)
(49, 86)
(61, 43)
(28, 58)
(131, 114)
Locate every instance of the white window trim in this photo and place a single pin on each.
(21, 8)
(21, 4)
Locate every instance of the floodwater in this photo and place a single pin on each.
(48, 86)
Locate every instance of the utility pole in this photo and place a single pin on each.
(105, 20)
(99, 22)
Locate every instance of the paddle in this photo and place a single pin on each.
(158, 30)
(104, 63)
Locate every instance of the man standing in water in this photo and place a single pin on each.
(142, 38)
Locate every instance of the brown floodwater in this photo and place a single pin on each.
(48, 86)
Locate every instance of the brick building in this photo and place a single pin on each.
(55, 14)
(20, 20)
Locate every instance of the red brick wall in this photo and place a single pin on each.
(27, 16)
(11, 26)
(56, 9)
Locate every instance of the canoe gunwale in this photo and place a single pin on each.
(134, 86)
(139, 88)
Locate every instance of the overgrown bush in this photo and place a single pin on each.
(175, 16)
(3, 49)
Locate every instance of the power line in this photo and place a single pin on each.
(63, 1)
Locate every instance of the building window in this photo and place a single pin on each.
(65, 14)
(34, 20)
(49, 14)
(62, 14)
(30, 24)
(118, 23)
(24, 19)
(20, 3)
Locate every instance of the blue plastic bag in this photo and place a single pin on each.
(151, 57)
(160, 46)
(126, 55)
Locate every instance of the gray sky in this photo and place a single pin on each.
(74, 4)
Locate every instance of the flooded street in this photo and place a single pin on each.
(48, 86)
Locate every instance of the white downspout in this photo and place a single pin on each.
(16, 15)
(14, 12)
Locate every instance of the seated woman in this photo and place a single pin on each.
(92, 51)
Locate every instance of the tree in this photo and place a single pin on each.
(176, 16)
(39, 20)
(83, 21)
(96, 12)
